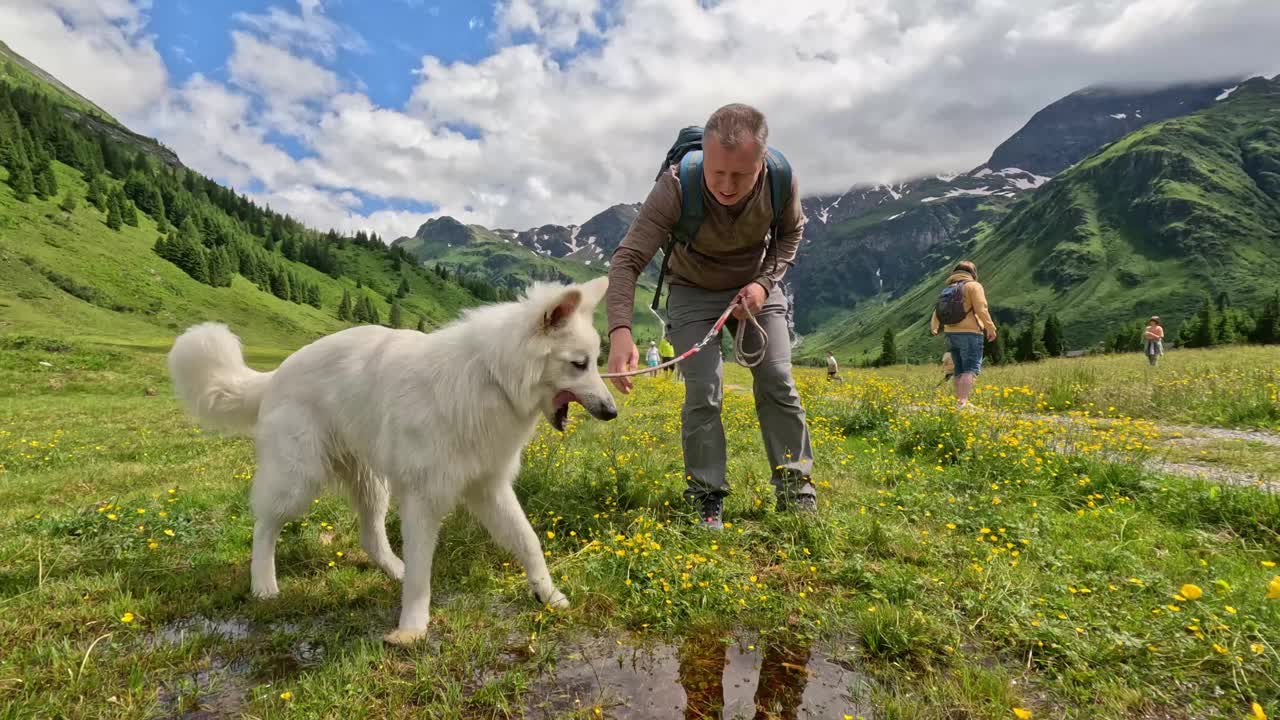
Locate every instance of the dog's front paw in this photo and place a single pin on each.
(404, 638)
(555, 599)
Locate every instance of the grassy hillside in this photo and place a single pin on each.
(18, 71)
(1147, 225)
(68, 275)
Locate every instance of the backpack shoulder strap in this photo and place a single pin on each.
(691, 214)
(779, 183)
(691, 209)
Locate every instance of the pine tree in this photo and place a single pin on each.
(888, 350)
(1205, 332)
(128, 212)
(1266, 329)
(993, 351)
(96, 195)
(1025, 345)
(403, 290)
(18, 163)
(115, 217)
(1054, 343)
(68, 202)
(46, 182)
(344, 307)
(221, 268)
(422, 324)
(393, 320)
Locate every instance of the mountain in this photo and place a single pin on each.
(590, 243)
(1148, 224)
(878, 241)
(109, 238)
(1072, 128)
(20, 72)
(498, 259)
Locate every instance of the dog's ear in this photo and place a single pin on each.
(561, 309)
(593, 291)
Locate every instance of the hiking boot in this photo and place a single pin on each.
(711, 516)
(801, 503)
(807, 504)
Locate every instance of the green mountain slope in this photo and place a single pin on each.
(496, 258)
(1146, 225)
(85, 212)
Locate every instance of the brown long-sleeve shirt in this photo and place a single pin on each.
(729, 251)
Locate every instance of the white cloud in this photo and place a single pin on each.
(96, 48)
(578, 117)
(309, 30)
(556, 23)
(275, 74)
(206, 123)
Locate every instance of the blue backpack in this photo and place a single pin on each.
(687, 152)
(950, 304)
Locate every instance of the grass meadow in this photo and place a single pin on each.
(1033, 558)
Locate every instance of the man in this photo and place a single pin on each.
(962, 312)
(833, 368)
(730, 260)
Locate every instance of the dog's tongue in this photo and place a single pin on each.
(563, 398)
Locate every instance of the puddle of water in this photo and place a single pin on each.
(177, 631)
(702, 677)
(212, 694)
(220, 691)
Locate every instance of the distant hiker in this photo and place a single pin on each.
(961, 310)
(652, 357)
(833, 368)
(1153, 339)
(666, 352)
(726, 210)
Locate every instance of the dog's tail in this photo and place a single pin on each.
(212, 380)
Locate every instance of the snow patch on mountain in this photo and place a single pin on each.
(959, 192)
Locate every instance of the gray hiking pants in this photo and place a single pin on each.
(692, 312)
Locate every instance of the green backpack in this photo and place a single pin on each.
(687, 152)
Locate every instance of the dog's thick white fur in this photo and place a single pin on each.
(433, 419)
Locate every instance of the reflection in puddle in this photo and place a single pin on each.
(220, 691)
(702, 677)
(216, 693)
(175, 632)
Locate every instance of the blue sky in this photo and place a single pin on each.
(196, 37)
(378, 114)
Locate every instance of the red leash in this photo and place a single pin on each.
(742, 358)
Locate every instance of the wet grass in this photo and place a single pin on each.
(961, 566)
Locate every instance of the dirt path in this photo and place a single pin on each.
(1184, 435)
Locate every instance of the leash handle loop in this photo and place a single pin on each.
(741, 356)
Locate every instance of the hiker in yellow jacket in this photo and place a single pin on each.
(666, 352)
(962, 313)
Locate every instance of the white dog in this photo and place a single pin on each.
(433, 419)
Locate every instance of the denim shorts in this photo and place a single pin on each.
(966, 352)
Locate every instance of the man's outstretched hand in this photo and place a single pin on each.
(753, 296)
(623, 357)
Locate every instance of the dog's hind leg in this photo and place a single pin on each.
(370, 497)
(496, 507)
(292, 467)
(421, 514)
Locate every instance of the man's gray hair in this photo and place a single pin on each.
(737, 123)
